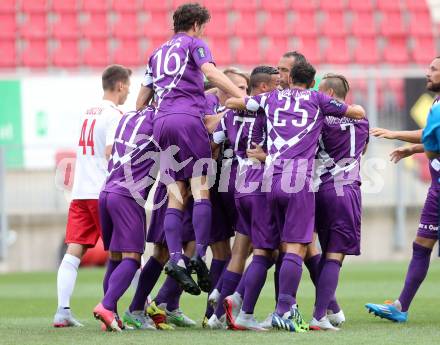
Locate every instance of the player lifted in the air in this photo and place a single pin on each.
(175, 75)
(98, 125)
(427, 233)
(338, 201)
(294, 121)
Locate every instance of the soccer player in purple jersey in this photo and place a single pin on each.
(242, 130)
(131, 174)
(427, 234)
(294, 121)
(175, 75)
(338, 201)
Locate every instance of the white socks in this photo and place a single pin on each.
(66, 279)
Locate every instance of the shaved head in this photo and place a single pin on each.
(336, 82)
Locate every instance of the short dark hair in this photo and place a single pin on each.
(299, 58)
(338, 83)
(113, 74)
(189, 14)
(261, 74)
(303, 73)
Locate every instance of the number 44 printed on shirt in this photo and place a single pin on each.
(89, 134)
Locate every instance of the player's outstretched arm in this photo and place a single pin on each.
(355, 112)
(144, 97)
(414, 137)
(405, 151)
(236, 103)
(220, 80)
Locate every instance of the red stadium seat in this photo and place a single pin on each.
(221, 51)
(218, 26)
(248, 53)
(100, 6)
(34, 6)
(125, 6)
(366, 52)
(334, 25)
(8, 6)
(303, 6)
(363, 25)
(128, 54)
(417, 5)
(246, 25)
(35, 26)
(337, 52)
(66, 26)
(310, 49)
(8, 57)
(156, 6)
(421, 24)
(277, 25)
(248, 6)
(65, 6)
(96, 26)
(217, 6)
(424, 51)
(305, 24)
(275, 50)
(396, 51)
(360, 5)
(154, 43)
(392, 25)
(158, 26)
(96, 54)
(34, 54)
(126, 26)
(66, 54)
(271, 6)
(8, 27)
(389, 5)
(332, 5)
(397, 88)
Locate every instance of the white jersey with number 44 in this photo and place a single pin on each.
(97, 130)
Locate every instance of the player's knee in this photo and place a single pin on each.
(160, 253)
(76, 249)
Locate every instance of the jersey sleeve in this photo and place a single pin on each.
(255, 103)
(113, 118)
(331, 106)
(431, 133)
(148, 77)
(220, 134)
(200, 52)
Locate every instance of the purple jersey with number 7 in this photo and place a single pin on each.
(132, 168)
(341, 146)
(174, 73)
(294, 121)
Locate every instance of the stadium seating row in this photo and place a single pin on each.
(41, 6)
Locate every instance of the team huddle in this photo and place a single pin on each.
(262, 158)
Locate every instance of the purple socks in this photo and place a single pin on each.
(119, 282)
(173, 228)
(312, 265)
(326, 288)
(170, 291)
(215, 271)
(111, 266)
(276, 274)
(255, 277)
(230, 282)
(202, 211)
(147, 279)
(289, 278)
(417, 270)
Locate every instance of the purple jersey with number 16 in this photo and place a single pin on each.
(174, 74)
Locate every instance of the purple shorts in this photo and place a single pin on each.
(192, 154)
(428, 227)
(253, 220)
(224, 216)
(123, 223)
(155, 230)
(292, 215)
(338, 220)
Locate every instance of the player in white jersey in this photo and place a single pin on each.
(96, 134)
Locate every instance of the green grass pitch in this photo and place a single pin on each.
(28, 301)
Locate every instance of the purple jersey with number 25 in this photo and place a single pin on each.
(174, 73)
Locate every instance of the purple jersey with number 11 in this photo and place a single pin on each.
(174, 74)
(132, 169)
(294, 121)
